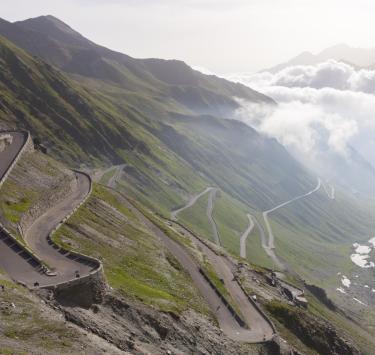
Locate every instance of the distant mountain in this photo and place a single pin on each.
(357, 57)
(157, 116)
(56, 43)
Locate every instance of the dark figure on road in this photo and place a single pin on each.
(36, 284)
(2, 288)
(77, 274)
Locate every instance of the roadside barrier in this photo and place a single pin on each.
(95, 264)
(266, 318)
(235, 315)
(25, 252)
(18, 156)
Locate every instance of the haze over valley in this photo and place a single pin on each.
(152, 207)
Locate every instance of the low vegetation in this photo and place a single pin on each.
(135, 263)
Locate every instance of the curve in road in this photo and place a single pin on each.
(19, 264)
(269, 247)
(36, 236)
(227, 322)
(210, 206)
(271, 237)
(260, 328)
(245, 235)
(191, 202)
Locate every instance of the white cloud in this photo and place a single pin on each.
(327, 106)
(332, 74)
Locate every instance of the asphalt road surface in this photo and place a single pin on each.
(259, 329)
(210, 207)
(17, 264)
(271, 238)
(37, 233)
(226, 321)
(245, 235)
(192, 202)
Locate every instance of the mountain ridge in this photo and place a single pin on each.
(356, 57)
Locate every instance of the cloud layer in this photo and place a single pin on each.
(325, 106)
(330, 74)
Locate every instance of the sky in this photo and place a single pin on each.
(224, 36)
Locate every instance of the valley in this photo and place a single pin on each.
(136, 208)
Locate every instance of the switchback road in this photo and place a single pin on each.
(18, 264)
(245, 235)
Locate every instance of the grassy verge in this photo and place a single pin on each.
(135, 262)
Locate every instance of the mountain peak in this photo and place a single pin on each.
(48, 24)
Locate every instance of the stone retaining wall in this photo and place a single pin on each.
(47, 201)
(28, 254)
(95, 274)
(85, 259)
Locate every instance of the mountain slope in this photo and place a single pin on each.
(155, 135)
(58, 44)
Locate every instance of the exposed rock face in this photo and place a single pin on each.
(83, 293)
(312, 331)
(140, 329)
(55, 193)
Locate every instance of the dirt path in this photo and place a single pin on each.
(245, 235)
(210, 207)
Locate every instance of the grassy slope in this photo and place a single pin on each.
(33, 177)
(322, 239)
(31, 327)
(168, 156)
(231, 220)
(195, 218)
(135, 263)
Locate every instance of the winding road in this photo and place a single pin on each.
(245, 235)
(191, 202)
(269, 247)
(36, 235)
(210, 207)
(259, 328)
(14, 260)
(271, 237)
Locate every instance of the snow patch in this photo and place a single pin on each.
(345, 281)
(362, 249)
(361, 261)
(340, 289)
(372, 241)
